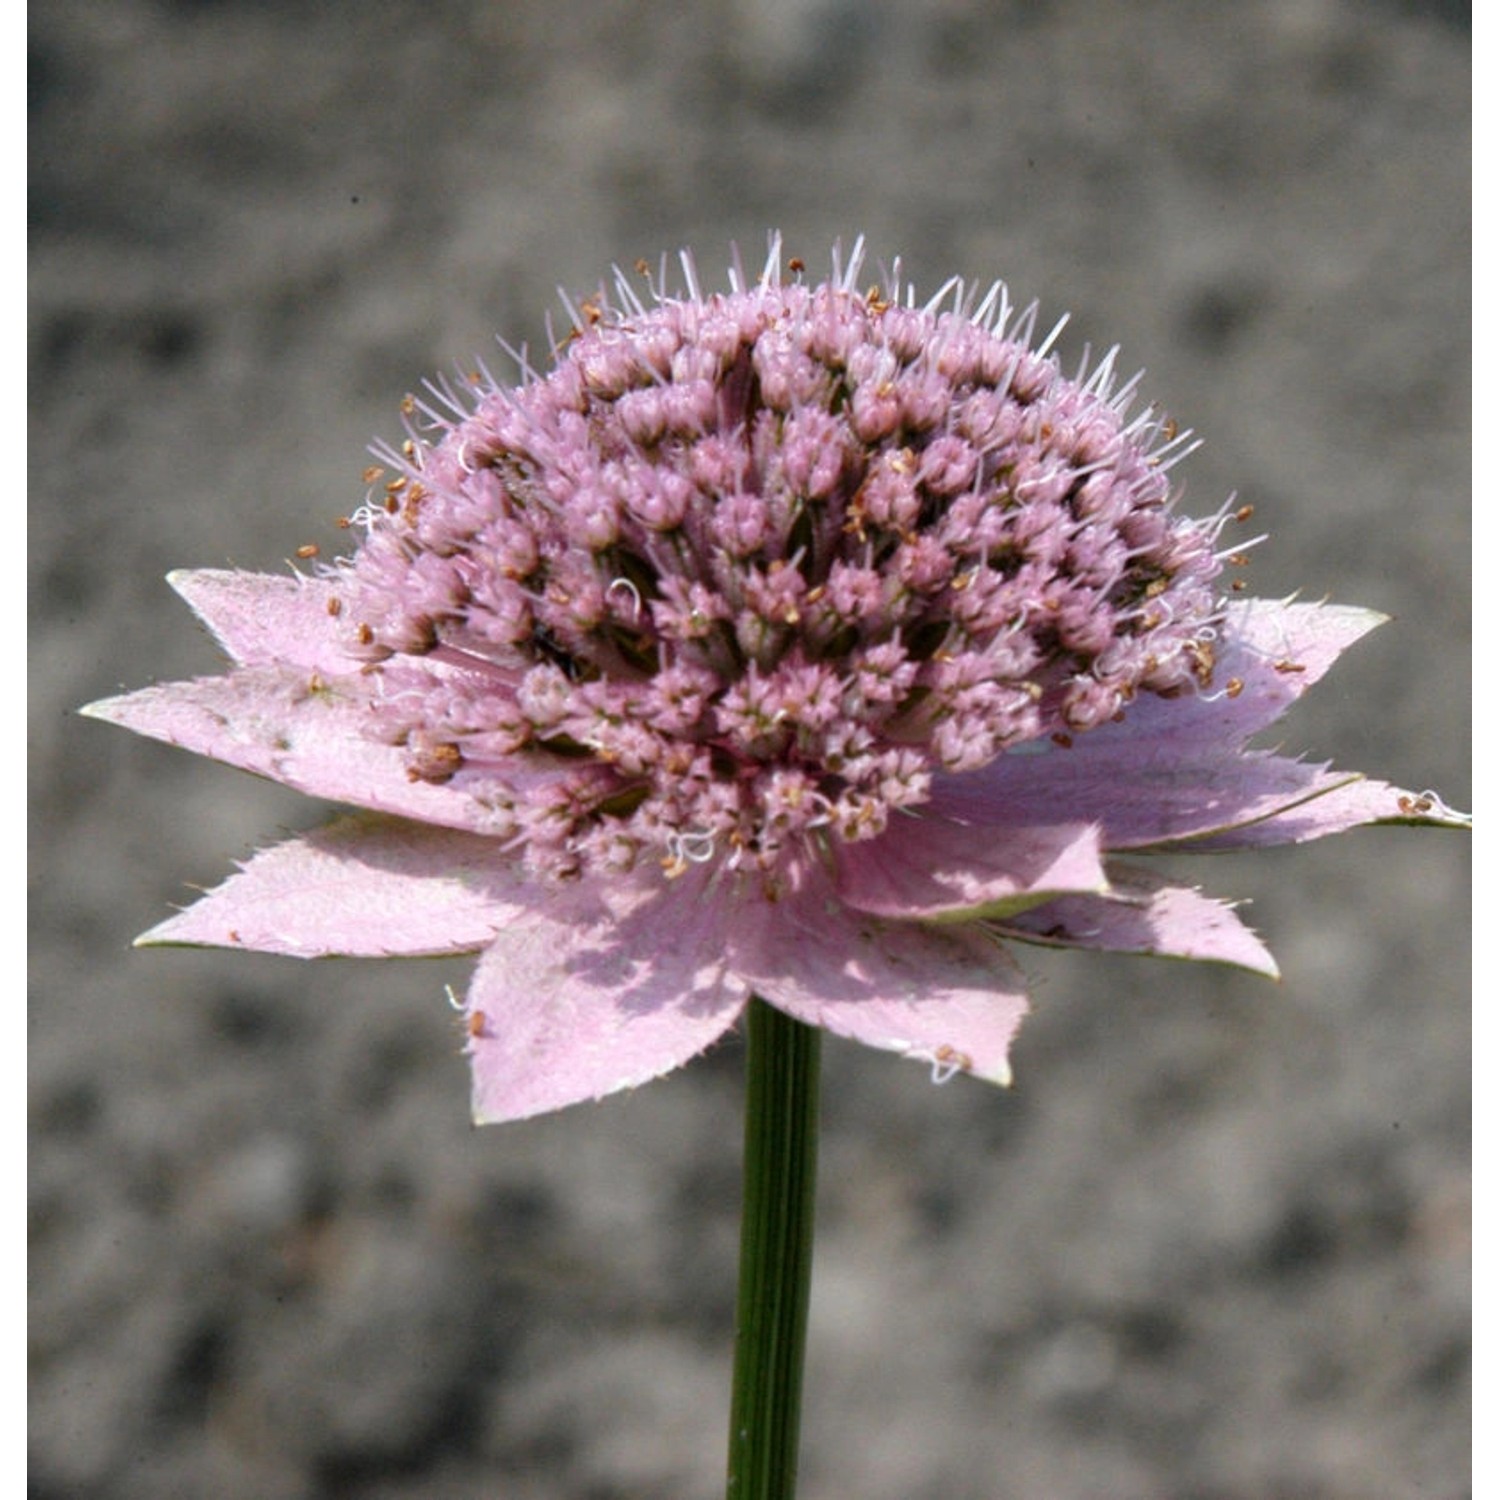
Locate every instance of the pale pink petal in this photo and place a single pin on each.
(364, 886)
(941, 869)
(1353, 804)
(1143, 796)
(1174, 769)
(595, 989)
(1268, 653)
(264, 619)
(303, 733)
(949, 996)
(1145, 913)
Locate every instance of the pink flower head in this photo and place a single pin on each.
(795, 641)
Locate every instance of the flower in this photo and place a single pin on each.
(793, 641)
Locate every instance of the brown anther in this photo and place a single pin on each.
(1234, 687)
(1412, 806)
(592, 312)
(1290, 666)
(414, 498)
(854, 517)
(1169, 428)
(477, 1025)
(308, 549)
(436, 764)
(1201, 654)
(363, 634)
(1244, 513)
(315, 684)
(816, 593)
(854, 522)
(1065, 740)
(409, 448)
(1238, 559)
(234, 936)
(335, 605)
(396, 485)
(796, 265)
(392, 505)
(947, 1055)
(372, 474)
(643, 267)
(408, 406)
(1155, 587)
(1237, 586)
(343, 523)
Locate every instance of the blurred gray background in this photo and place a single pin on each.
(1214, 1243)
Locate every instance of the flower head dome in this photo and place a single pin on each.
(744, 572)
(797, 639)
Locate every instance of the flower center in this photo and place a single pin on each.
(748, 570)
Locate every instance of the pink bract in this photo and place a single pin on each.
(792, 641)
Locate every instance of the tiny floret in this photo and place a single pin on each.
(803, 640)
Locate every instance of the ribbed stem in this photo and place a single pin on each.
(776, 1243)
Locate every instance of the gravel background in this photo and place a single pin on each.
(1214, 1243)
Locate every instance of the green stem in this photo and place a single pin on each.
(776, 1242)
